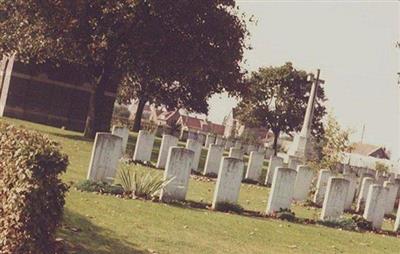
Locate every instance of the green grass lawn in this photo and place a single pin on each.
(105, 224)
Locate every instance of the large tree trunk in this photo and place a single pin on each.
(138, 115)
(275, 145)
(100, 109)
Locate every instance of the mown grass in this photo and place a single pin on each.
(106, 224)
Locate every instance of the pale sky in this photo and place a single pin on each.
(352, 42)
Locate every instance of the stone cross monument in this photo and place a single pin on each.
(302, 143)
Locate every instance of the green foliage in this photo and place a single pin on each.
(100, 187)
(134, 43)
(380, 167)
(362, 223)
(229, 207)
(356, 222)
(344, 223)
(31, 193)
(249, 137)
(121, 111)
(150, 127)
(142, 185)
(277, 100)
(335, 142)
(285, 214)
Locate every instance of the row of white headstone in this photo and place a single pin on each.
(335, 194)
(372, 199)
(144, 147)
(227, 143)
(107, 150)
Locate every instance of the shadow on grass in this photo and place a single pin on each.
(82, 236)
(75, 137)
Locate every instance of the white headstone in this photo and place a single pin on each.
(282, 188)
(251, 148)
(238, 144)
(219, 141)
(210, 139)
(213, 160)
(294, 162)
(274, 162)
(106, 152)
(236, 153)
(144, 146)
(380, 179)
(262, 149)
(362, 196)
(375, 205)
(228, 144)
(269, 152)
(391, 196)
(360, 180)
(254, 166)
(229, 180)
(347, 169)
(167, 141)
(192, 135)
(322, 183)
(397, 222)
(177, 172)
(123, 132)
(335, 198)
(351, 191)
(303, 183)
(196, 147)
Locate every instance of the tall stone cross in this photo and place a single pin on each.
(307, 123)
(302, 143)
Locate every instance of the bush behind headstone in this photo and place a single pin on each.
(31, 193)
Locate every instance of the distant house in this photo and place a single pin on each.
(197, 125)
(234, 128)
(164, 118)
(366, 156)
(370, 150)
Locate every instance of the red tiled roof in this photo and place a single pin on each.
(191, 122)
(203, 125)
(216, 128)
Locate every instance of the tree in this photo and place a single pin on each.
(175, 52)
(196, 54)
(335, 142)
(381, 167)
(277, 100)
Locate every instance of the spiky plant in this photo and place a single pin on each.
(143, 185)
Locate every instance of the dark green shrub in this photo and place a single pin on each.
(31, 193)
(285, 214)
(343, 223)
(121, 111)
(101, 187)
(356, 222)
(361, 223)
(229, 207)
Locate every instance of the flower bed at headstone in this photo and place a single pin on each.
(132, 183)
(100, 187)
(31, 192)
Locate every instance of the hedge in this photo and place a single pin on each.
(31, 192)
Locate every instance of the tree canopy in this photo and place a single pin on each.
(277, 100)
(334, 142)
(172, 52)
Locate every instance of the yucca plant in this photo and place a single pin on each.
(143, 185)
(126, 179)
